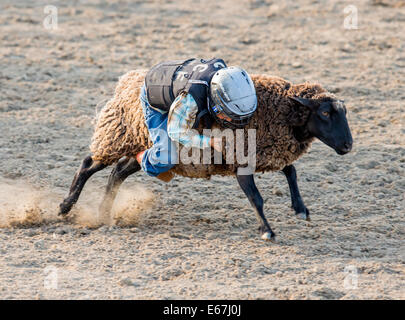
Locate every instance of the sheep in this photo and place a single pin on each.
(288, 118)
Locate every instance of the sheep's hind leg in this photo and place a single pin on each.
(123, 169)
(296, 201)
(86, 170)
(247, 183)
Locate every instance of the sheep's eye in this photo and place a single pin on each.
(325, 113)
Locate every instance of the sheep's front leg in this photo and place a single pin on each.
(296, 201)
(247, 183)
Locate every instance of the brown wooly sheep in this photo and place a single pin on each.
(282, 136)
(121, 131)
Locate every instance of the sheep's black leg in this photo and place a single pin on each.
(247, 183)
(124, 168)
(86, 170)
(296, 201)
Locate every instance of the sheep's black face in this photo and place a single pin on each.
(328, 123)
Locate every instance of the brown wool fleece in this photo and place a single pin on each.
(121, 131)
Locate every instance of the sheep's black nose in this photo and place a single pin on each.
(344, 148)
(347, 147)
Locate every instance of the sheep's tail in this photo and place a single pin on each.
(120, 128)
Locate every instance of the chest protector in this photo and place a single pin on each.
(165, 81)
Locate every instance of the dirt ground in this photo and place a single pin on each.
(197, 238)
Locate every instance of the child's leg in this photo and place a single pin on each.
(163, 154)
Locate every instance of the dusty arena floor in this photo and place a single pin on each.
(196, 238)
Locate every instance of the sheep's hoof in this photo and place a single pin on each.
(303, 216)
(64, 209)
(268, 236)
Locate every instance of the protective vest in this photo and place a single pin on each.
(165, 81)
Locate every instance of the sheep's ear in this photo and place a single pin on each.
(309, 103)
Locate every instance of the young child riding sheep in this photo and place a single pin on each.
(153, 114)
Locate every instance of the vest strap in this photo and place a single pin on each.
(198, 82)
(198, 118)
